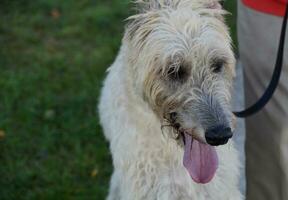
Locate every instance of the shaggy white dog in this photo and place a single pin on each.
(165, 105)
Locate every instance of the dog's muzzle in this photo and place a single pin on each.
(215, 119)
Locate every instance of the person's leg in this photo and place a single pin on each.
(239, 132)
(267, 132)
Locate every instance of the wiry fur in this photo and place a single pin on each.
(139, 95)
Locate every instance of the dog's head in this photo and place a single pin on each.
(184, 67)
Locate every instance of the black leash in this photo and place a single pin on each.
(275, 77)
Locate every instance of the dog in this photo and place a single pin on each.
(165, 105)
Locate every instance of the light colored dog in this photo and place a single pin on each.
(165, 105)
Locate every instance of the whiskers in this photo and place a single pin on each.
(174, 128)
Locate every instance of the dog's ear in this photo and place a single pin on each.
(148, 5)
(214, 8)
(140, 26)
(133, 25)
(214, 5)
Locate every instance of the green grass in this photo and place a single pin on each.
(231, 6)
(53, 55)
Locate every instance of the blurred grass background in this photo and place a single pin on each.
(53, 55)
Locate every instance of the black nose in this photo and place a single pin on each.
(218, 135)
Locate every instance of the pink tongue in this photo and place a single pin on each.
(200, 160)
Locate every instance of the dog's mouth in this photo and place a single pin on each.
(200, 159)
(200, 156)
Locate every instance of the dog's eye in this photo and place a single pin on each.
(177, 74)
(217, 66)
